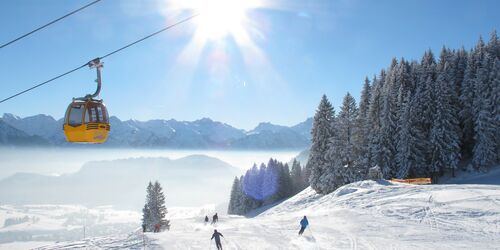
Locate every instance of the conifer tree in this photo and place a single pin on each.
(445, 132)
(342, 150)
(297, 176)
(389, 115)
(405, 157)
(147, 219)
(374, 119)
(361, 137)
(495, 99)
(467, 98)
(484, 151)
(285, 182)
(322, 131)
(234, 200)
(155, 211)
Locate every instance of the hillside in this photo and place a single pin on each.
(362, 215)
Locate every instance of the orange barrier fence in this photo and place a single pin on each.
(416, 181)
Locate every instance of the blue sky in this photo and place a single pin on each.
(295, 51)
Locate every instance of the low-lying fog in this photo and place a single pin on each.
(57, 161)
(44, 192)
(100, 177)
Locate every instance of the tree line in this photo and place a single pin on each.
(414, 119)
(265, 185)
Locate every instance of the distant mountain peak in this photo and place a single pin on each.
(267, 126)
(205, 119)
(9, 116)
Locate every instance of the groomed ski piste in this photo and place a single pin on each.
(362, 215)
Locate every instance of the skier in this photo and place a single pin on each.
(144, 228)
(303, 224)
(157, 228)
(206, 219)
(215, 218)
(217, 235)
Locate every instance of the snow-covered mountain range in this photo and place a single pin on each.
(204, 133)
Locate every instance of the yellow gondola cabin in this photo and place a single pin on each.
(87, 119)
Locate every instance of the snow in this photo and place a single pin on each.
(47, 224)
(361, 215)
(492, 177)
(22, 245)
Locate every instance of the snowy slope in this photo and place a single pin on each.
(363, 215)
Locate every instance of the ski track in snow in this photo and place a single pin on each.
(132, 241)
(363, 215)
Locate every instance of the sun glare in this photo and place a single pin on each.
(223, 23)
(220, 18)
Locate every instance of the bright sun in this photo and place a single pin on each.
(219, 18)
(220, 24)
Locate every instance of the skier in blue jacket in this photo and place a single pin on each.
(303, 224)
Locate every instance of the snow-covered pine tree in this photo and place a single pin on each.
(374, 118)
(297, 177)
(389, 115)
(160, 209)
(361, 137)
(494, 45)
(416, 138)
(342, 148)
(404, 80)
(252, 189)
(270, 182)
(421, 122)
(234, 206)
(445, 132)
(467, 97)
(155, 211)
(427, 108)
(459, 65)
(484, 151)
(321, 133)
(285, 189)
(263, 192)
(246, 202)
(405, 157)
(147, 219)
(495, 99)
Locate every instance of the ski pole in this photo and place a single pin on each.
(310, 231)
(315, 243)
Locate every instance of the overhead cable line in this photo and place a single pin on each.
(48, 24)
(106, 55)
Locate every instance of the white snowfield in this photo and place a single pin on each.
(362, 215)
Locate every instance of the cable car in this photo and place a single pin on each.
(86, 119)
